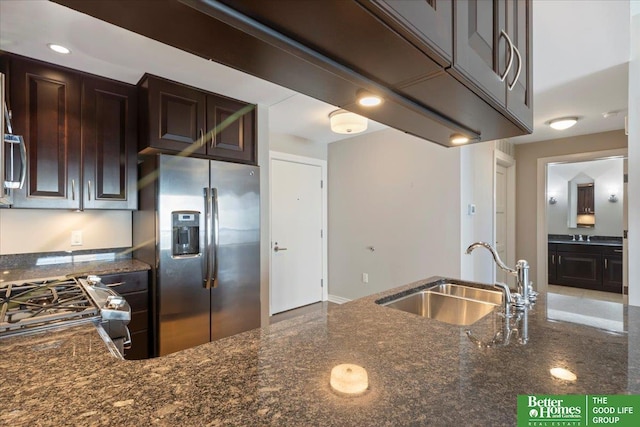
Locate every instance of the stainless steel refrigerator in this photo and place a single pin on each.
(199, 227)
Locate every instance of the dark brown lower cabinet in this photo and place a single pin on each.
(134, 287)
(592, 266)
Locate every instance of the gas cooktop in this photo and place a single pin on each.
(34, 305)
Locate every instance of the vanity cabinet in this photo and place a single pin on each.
(176, 118)
(80, 132)
(134, 287)
(588, 266)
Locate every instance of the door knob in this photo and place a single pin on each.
(277, 249)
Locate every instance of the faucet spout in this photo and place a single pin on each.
(496, 257)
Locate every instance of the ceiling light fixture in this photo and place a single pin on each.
(346, 122)
(367, 99)
(59, 48)
(458, 138)
(563, 123)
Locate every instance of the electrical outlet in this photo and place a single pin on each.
(76, 238)
(365, 278)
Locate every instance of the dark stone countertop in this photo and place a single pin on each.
(591, 243)
(17, 273)
(421, 372)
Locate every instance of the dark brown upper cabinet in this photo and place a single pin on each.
(492, 54)
(81, 137)
(45, 106)
(109, 143)
(180, 119)
(585, 199)
(436, 63)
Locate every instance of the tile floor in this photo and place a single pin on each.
(586, 293)
(603, 310)
(323, 307)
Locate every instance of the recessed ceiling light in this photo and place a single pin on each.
(367, 99)
(458, 138)
(563, 123)
(58, 48)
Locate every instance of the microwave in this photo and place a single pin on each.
(13, 153)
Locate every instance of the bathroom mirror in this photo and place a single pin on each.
(581, 209)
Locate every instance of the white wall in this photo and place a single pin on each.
(401, 195)
(634, 157)
(607, 176)
(292, 144)
(476, 186)
(41, 230)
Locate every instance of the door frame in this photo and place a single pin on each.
(293, 158)
(509, 162)
(541, 282)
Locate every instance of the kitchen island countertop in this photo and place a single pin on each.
(421, 372)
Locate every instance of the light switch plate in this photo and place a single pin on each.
(76, 238)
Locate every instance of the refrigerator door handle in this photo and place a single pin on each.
(207, 243)
(216, 233)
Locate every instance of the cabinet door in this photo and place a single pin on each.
(109, 143)
(480, 53)
(520, 92)
(582, 270)
(429, 20)
(176, 117)
(551, 264)
(612, 275)
(46, 112)
(230, 128)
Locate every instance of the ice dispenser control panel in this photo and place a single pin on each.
(186, 233)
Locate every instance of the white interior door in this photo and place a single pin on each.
(296, 227)
(501, 219)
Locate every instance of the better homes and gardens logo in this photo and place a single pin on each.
(578, 410)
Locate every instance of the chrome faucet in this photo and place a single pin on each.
(525, 295)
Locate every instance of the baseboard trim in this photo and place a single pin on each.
(338, 300)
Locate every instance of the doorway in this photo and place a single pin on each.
(505, 221)
(298, 249)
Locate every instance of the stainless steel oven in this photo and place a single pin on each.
(13, 153)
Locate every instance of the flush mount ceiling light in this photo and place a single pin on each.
(346, 122)
(458, 138)
(59, 48)
(367, 99)
(563, 123)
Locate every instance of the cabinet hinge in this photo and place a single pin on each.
(321, 184)
(322, 283)
(321, 234)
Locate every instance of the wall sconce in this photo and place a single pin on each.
(552, 200)
(346, 122)
(613, 198)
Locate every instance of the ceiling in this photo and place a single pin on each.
(580, 64)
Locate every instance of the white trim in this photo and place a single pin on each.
(277, 155)
(541, 205)
(338, 300)
(509, 162)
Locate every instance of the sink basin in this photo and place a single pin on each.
(444, 307)
(483, 295)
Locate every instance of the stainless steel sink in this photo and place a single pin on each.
(446, 307)
(477, 294)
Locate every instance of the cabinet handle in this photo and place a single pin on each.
(213, 135)
(553, 259)
(606, 265)
(559, 259)
(515, 80)
(73, 189)
(88, 189)
(504, 76)
(201, 137)
(618, 251)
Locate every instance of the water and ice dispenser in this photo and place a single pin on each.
(186, 233)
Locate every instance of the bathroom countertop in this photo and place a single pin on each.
(421, 372)
(584, 242)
